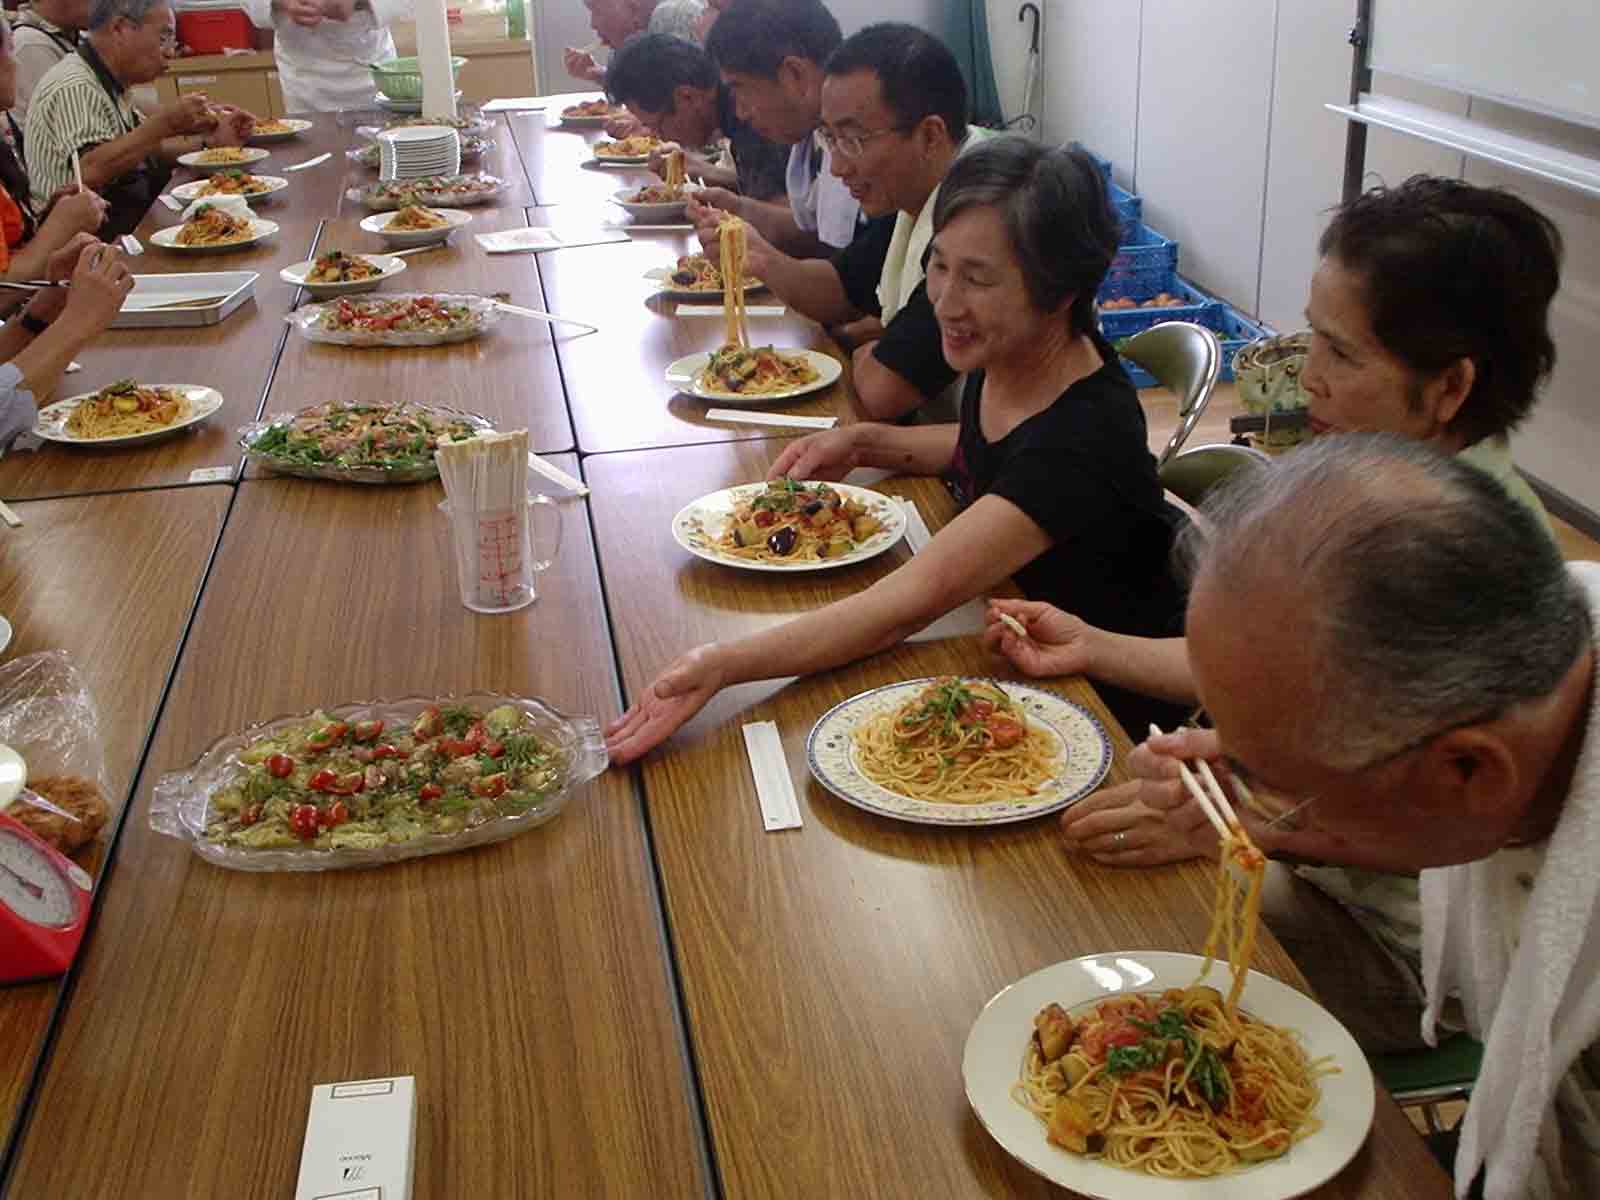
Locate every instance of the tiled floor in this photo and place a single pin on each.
(1161, 413)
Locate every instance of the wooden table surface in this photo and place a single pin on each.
(524, 984)
(615, 381)
(59, 580)
(508, 375)
(832, 973)
(561, 169)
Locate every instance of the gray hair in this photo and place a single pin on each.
(679, 18)
(103, 12)
(1431, 598)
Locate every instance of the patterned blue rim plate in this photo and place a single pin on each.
(1085, 747)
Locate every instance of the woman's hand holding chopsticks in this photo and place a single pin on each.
(1154, 819)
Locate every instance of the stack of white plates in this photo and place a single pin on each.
(413, 151)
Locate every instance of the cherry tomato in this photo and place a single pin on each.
(1006, 731)
(328, 736)
(250, 815)
(303, 820)
(429, 791)
(347, 785)
(323, 781)
(366, 731)
(490, 786)
(428, 723)
(765, 517)
(280, 766)
(982, 708)
(458, 747)
(384, 750)
(479, 736)
(335, 814)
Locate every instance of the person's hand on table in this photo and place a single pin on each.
(64, 261)
(187, 114)
(624, 125)
(676, 695)
(73, 210)
(1153, 819)
(100, 283)
(580, 64)
(1058, 643)
(302, 12)
(828, 456)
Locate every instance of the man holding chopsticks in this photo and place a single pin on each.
(1402, 668)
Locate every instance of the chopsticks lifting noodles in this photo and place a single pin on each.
(77, 170)
(1213, 802)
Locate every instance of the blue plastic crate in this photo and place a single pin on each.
(1144, 263)
(1124, 322)
(1128, 207)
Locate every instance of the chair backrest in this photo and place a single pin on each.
(1186, 359)
(1192, 474)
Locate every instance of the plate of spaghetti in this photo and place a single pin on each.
(221, 157)
(957, 751)
(398, 320)
(339, 274)
(214, 229)
(753, 375)
(1144, 1075)
(415, 225)
(693, 277)
(787, 525)
(628, 151)
(126, 412)
(232, 182)
(590, 113)
(278, 130)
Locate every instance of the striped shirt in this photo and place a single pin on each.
(71, 111)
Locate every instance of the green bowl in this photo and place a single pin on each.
(401, 78)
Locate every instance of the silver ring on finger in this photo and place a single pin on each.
(1118, 839)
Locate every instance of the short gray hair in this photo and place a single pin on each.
(679, 18)
(103, 12)
(1432, 598)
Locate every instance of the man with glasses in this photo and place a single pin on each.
(1383, 629)
(894, 117)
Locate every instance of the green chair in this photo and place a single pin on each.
(1185, 359)
(1190, 475)
(1426, 1079)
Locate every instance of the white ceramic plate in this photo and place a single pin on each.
(5, 637)
(1081, 742)
(248, 155)
(608, 160)
(662, 278)
(699, 523)
(999, 1038)
(669, 210)
(293, 127)
(576, 122)
(52, 422)
(684, 374)
(387, 263)
(260, 230)
(404, 107)
(195, 189)
(378, 223)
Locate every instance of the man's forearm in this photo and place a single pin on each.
(110, 161)
(811, 287)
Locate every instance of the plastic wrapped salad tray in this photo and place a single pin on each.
(482, 312)
(299, 793)
(389, 195)
(287, 461)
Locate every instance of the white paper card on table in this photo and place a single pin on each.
(516, 104)
(734, 416)
(360, 1140)
(917, 535)
(211, 475)
(534, 240)
(780, 809)
(716, 310)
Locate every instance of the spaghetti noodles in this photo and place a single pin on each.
(415, 218)
(1180, 1084)
(697, 273)
(731, 246)
(214, 227)
(791, 522)
(958, 741)
(124, 409)
(739, 368)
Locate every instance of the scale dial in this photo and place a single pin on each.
(32, 887)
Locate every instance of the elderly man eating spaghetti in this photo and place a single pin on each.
(1397, 658)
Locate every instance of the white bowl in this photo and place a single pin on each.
(387, 263)
(195, 162)
(670, 210)
(378, 223)
(294, 127)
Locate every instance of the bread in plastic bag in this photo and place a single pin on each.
(48, 716)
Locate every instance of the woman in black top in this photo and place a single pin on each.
(1051, 447)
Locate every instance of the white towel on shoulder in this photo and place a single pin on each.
(1536, 1006)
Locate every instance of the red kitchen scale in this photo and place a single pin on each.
(44, 895)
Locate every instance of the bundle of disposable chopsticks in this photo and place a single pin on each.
(1214, 802)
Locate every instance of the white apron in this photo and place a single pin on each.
(315, 69)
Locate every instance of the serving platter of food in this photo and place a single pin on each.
(378, 782)
(787, 525)
(339, 274)
(126, 413)
(957, 751)
(358, 443)
(439, 191)
(403, 319)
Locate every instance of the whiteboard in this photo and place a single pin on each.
(1538, 54)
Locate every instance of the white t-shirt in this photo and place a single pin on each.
(818, 198)
(318, 66)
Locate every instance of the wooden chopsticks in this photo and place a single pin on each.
(1212, 800)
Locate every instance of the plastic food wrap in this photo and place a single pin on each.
(390, 195)
(484, 312)
(48, 717)
(189, 804)
(250, 434)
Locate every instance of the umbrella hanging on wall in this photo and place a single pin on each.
(1025, 120)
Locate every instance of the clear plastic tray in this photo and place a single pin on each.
(485, 313)
(415, 474)
(374, 194)
(181, 800)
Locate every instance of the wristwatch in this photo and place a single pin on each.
(32, 324)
